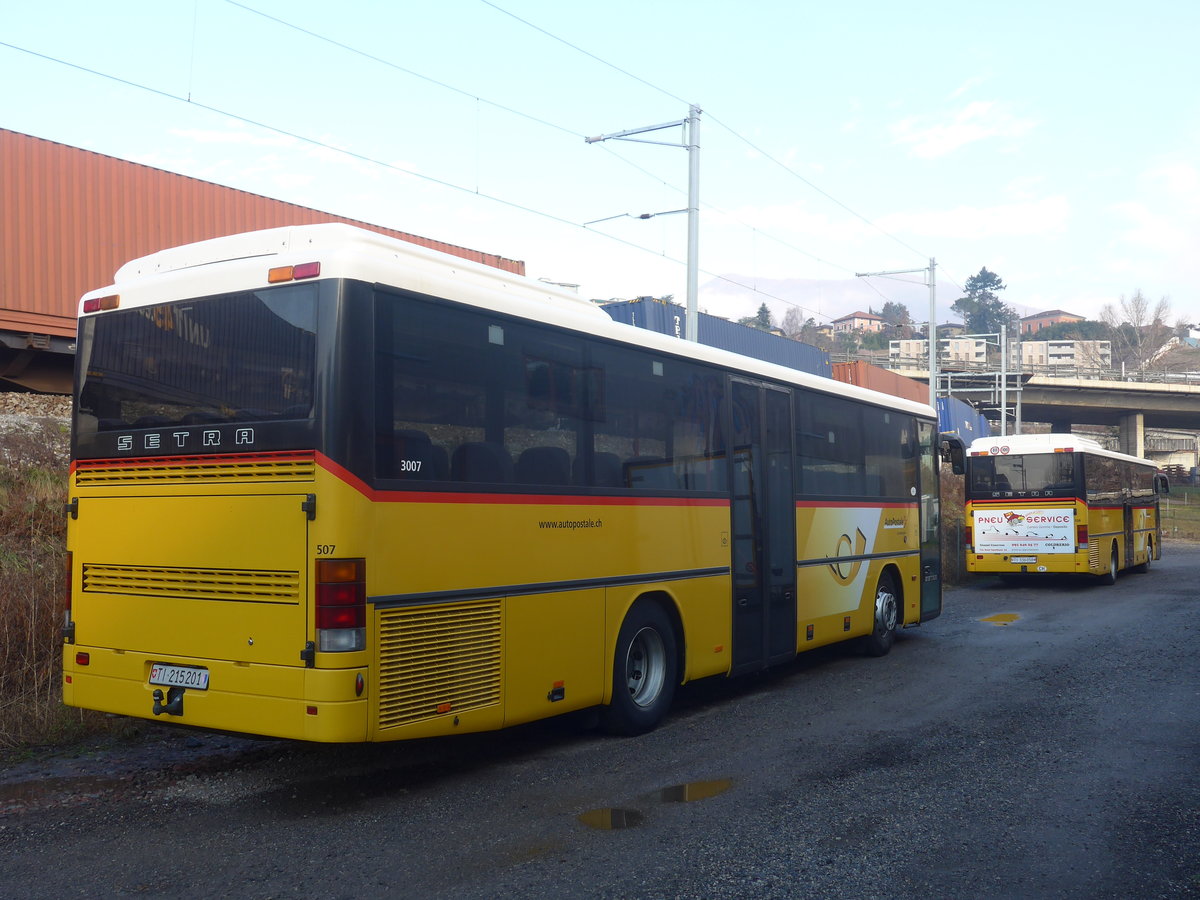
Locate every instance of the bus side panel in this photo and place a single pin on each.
(1106, 534)
(526, 650)
(554, 654)
(831, 593)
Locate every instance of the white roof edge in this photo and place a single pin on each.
(482, 284)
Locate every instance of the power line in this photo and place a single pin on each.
(729, 129)
(355, 155)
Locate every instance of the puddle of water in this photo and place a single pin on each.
(696, 790)
(610, 819)
(22, 793)
(1001, 619)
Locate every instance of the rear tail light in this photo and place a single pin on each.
(1082, 538)
(967, 536)
(341, 612)
(293, 273)
(96, 304)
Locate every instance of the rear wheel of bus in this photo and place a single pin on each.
(1110, 577)
(645, 671)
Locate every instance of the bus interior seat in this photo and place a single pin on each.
(606, 470)
(481, 461)
(544, 465)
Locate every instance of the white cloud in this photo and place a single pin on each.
(969, 85)
(1046, 216)
(977, 121)
(1153, 230)
(1178, 178)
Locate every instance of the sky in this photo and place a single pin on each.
(1054, 142)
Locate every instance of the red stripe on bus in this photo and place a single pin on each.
(479, 497)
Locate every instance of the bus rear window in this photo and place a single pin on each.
(1052, 473)
(241, 357)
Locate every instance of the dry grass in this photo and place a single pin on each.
(1181, 513)
(33, 484)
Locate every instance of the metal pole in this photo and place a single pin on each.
(1003, 381)
(932, 336)
(692, 331)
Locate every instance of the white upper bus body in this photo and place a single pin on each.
(242, 262)
(1026, 444)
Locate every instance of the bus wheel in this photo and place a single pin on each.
(887, 608)
(644, 671)
(1110, 577)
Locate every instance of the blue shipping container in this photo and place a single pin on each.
(957, 417)
(670, 318)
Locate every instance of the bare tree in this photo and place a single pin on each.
(1137, 329)
(793, 323)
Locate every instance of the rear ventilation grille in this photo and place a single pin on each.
(251, 467)
(193, 584)
(436, 661)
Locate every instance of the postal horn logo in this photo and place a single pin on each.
(846, 570)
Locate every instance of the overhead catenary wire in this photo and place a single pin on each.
(562, 129)
(478, 101)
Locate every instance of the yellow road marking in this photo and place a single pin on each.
(1001, 619)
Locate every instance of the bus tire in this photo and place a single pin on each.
(1145, 567)
(887, 612)
(1110, 577)
(645, 671)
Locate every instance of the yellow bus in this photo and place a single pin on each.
(1040, 503)
(331, 486)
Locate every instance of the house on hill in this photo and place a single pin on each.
(858, 321)
(1035, 323)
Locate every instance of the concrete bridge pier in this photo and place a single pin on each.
(1133, 433)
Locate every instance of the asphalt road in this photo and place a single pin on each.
(1057, 755)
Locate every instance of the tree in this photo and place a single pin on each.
(792, 325)
(1137, 330)
(762, 319)
(895, 314)
(982, 311)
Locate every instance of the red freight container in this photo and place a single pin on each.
(71, 218)
(885, 381)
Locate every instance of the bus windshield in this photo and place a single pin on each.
(229, 358)
(1047, 473)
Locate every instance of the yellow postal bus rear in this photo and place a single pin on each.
(1039, 504)
(330, 486)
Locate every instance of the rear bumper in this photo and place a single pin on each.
(273, 701)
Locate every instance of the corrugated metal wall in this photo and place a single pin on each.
(72, 217)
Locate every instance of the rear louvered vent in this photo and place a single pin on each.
(438, 661)
(198, 470)
(193, 584)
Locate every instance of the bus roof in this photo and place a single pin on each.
(1023, 444)
(241, 261)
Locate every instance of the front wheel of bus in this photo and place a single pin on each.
(887, 611)
(644, 671)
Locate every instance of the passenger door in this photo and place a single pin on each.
(930, 512)
(763, 513)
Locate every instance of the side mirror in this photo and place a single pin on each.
(1161, 485)
(953, 451)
